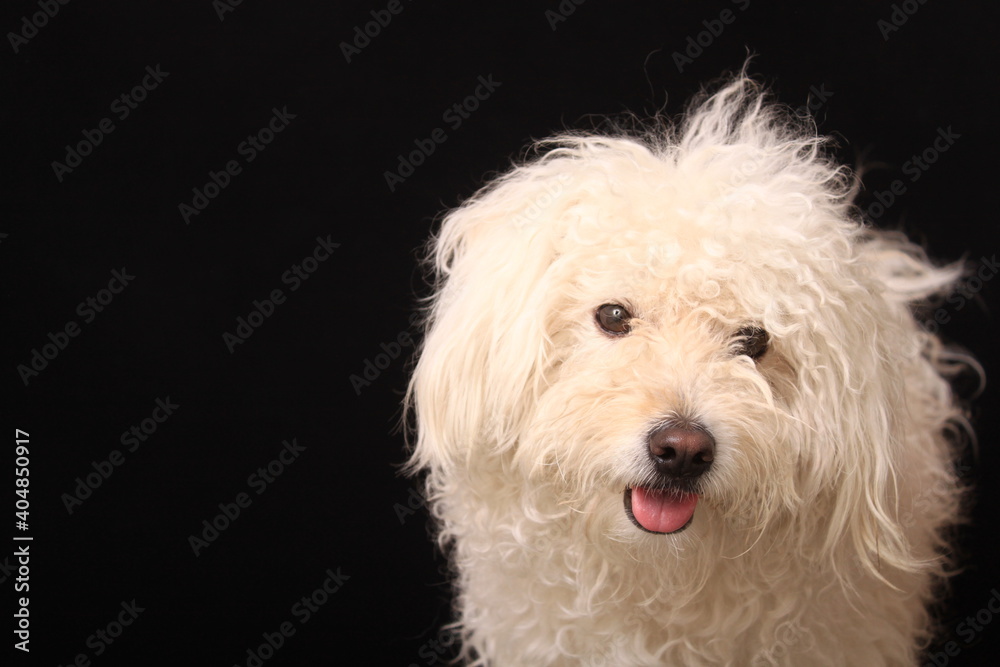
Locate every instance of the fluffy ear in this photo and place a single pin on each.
(486, 347)
(890, 414)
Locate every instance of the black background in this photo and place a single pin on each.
(340, 504)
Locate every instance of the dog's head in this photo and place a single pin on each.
(691, 321)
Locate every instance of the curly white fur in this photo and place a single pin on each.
(820, 533)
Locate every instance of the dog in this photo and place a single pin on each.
(674, 407)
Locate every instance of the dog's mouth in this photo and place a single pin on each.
(660, 511)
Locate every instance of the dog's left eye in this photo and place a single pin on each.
(751, 341)
(613, 319)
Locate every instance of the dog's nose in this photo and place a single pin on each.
(682, 453)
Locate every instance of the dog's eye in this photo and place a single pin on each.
(613, 319)
(751, 341)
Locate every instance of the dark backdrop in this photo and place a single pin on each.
(159, 208)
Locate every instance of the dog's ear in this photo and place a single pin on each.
(487, 342)
(885, 411)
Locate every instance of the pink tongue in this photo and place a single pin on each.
(662, 511)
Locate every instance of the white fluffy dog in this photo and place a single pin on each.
(674, 408)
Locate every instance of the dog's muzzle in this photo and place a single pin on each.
(679, 456)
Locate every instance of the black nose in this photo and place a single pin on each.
(681, 453)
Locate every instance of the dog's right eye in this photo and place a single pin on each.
(613, 319)
(752, 341)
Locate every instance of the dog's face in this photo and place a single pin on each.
(661, 333)
(652, 386)
(671, 378)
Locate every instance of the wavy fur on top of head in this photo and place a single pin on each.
(819, 536)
